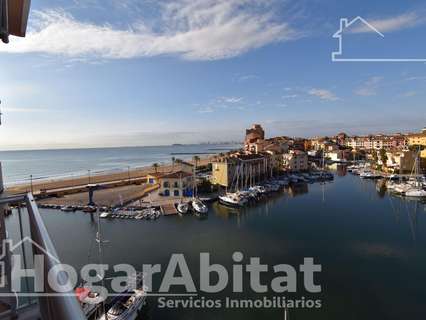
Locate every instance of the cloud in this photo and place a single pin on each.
(231, 99)
(26, 110)
(220, 103)
(206, 109)
(247, 77)
(290, 96)
(370, 87)
(409, 94)
(191, 29)
(414, 78)
(323, 94)
(403, 21)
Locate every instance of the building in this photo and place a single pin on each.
(418, 139)
(295, 160)
(255, 142)
(341, 138)
(377, 142)
(254, 135)
(176, 184)
(181, 165)
(239, 171)
(400, 161)
(339, 155)
(423, 159)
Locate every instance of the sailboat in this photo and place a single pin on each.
(182, 207)
(125, 306)
(417, 191)
(197, 205)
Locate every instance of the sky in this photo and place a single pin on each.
(103, 73)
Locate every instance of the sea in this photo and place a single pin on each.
(370, 245)
(19, 166)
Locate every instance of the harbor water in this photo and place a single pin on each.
(370, 246)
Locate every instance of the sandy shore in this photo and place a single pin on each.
(94, 178)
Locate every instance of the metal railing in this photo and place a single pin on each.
(51, 306)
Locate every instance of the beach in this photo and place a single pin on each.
(95, 178)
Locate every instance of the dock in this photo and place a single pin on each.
(168, 209)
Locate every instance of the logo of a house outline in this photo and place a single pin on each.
(8, 245)
(336, 56)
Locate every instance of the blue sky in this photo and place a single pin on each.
(110, 73)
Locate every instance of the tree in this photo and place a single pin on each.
(375, 157)
(383, 157)
(155, 166)
(195, 159)
(173, 163)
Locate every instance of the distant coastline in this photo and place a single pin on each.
(59, 164)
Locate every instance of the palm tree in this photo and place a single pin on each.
(173, 163)
(196, 159)
(155, 166)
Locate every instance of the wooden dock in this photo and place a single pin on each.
(168, 209)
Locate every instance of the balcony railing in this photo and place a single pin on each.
(49, 305)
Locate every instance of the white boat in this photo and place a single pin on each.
(199, 206)
(369, 175)
(416, 193)
(258, 189)
(182, 207)
(105, 215)
(401, 188)
(126, 305)
(232, 199)
(68, 209)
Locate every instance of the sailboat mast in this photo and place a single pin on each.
(100, 252)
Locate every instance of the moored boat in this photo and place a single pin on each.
(199, 206)
(232, 200)
(182, 207)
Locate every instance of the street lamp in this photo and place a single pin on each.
(88, 173)
(31, 183)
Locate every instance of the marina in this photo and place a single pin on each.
(374, 229)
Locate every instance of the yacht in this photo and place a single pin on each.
(401, 188)
(416, 193)
(232, 200)
(369, 175)
(105, 215)
(182, 207)
(68, 209)
(199, 206)
(89, 209)
(126, 305)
